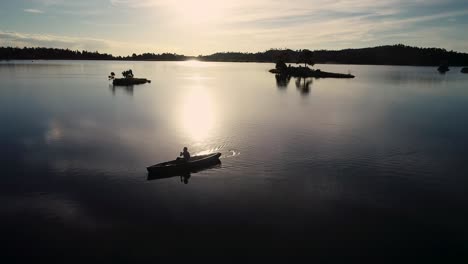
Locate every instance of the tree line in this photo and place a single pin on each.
(10, 53)
(381, 55)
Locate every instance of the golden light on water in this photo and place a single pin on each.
(198, 113)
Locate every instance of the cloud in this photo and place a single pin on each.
(138, 3)
(197, 27)
(257, 24)
(330, 24)
(34, 11)
(49, 2)
(46, 40)
(17, 39)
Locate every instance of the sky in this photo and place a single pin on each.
(202, 27)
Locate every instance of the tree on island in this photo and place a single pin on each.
(280, 61)
(281, 66)
(127, 74)
(128, 79)
(307, 57)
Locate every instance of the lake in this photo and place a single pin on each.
(375, 166)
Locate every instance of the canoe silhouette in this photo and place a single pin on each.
(180, 166)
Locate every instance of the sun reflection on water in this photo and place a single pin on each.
(197, 116)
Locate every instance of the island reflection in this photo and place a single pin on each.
(302, 84)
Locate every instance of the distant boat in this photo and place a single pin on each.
(181, 166)
(464, 70)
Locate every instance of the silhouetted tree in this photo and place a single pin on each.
(127, 74)
(385, 55)
(306, 57)
(281, 60)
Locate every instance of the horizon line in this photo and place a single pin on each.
(246, 52)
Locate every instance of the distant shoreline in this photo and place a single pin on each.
(395, 55)
(320, 63)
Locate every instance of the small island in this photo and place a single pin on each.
(304, 71)
(128, 79)
(443, 67)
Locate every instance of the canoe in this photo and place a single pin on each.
(182, 174)
(180, 166)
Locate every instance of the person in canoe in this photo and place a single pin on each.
(185, 154)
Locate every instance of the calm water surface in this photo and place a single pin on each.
(373, 166)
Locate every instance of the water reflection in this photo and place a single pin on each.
(128, 89)
(197, 116)
(389, 144)
(282, 80)
(184, 176)
(407, 75)
(50, 206)
(303, 85)
(55, 132)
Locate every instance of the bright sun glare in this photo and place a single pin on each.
(198, 113)
(198, 11)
